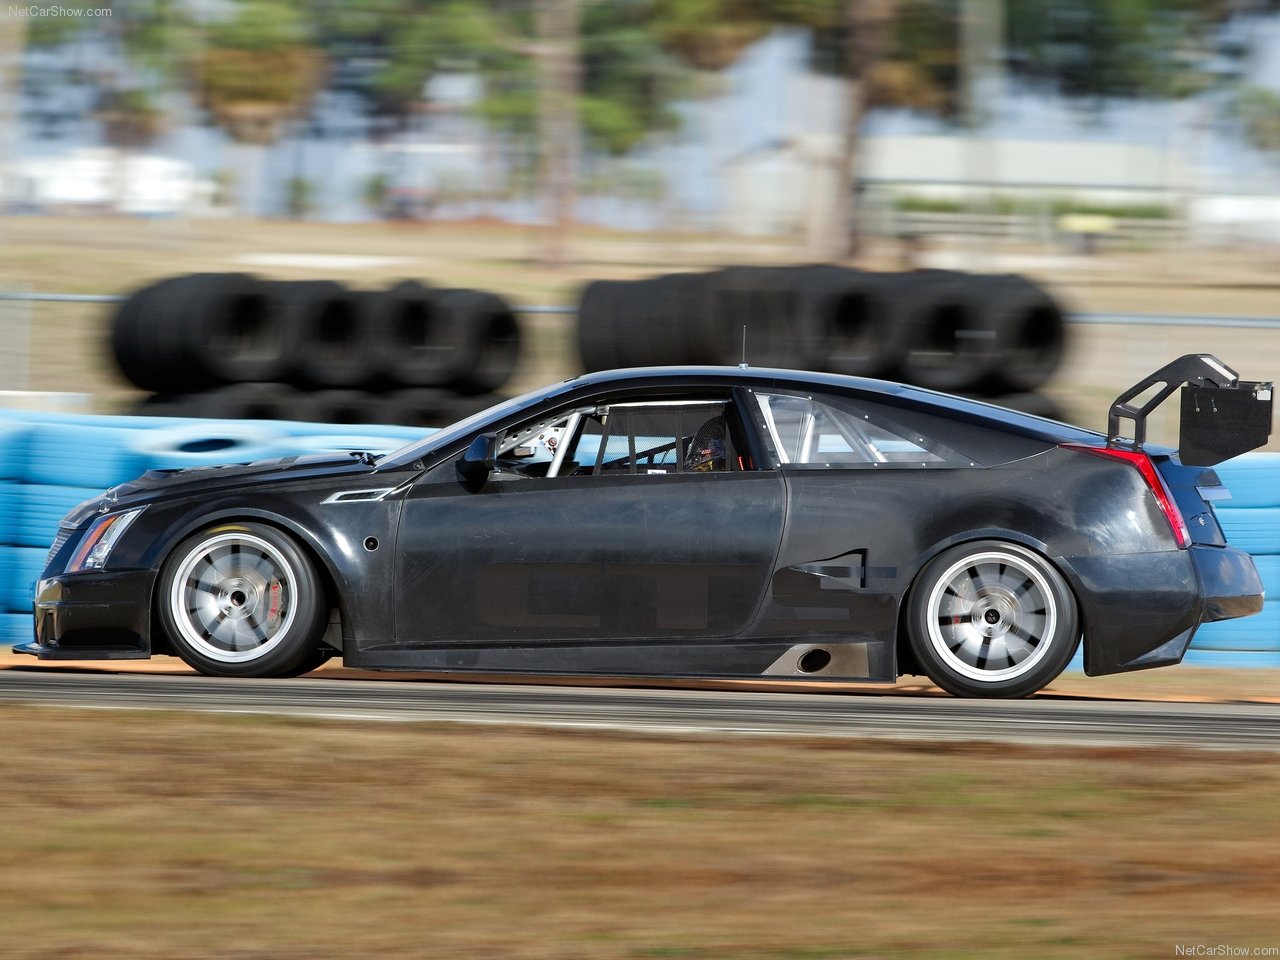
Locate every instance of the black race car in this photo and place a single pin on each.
(685, 522)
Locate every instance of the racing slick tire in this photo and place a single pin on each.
(197, 331)
(766, 302)
(242, 600)
(414, 344)
(859, 329)
(950, 345)
(329, 329)
(338, 406)
(488, 339)
(1031, 330)
(992, 619)
(133, 332)
(598, 307)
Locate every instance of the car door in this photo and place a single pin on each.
(615, 521)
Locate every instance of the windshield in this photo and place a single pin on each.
(457, 431)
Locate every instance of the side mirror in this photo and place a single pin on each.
(479, 460)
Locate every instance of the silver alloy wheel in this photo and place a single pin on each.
(992, 616)
(234, 597)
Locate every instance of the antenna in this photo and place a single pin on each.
(743, 364)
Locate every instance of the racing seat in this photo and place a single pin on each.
(707, 451)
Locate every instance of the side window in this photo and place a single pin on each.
(811, 432)
(667, 437)
(532, 450)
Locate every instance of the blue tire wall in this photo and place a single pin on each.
(19, 567)
(1251, 521)
(85, 455)
(50, 462)
(14, 628)
(1254, 481)
(40, 506)
(1269, 569)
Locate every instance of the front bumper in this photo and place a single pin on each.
(92, 616)
(1143, 610)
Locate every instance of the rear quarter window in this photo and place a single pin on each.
(822, 432)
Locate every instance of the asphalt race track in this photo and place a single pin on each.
(1231, 726)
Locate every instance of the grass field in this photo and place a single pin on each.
(152, 835)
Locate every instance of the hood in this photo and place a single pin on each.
(178, 482)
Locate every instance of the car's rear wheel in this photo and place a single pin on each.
(992, 619)
(242, 600)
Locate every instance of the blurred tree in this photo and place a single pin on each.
(155, 38)
(13, 43)
(255, 71)
(1258, 111)
(907, 53)
(393, 47)
(557, 28)
(300, 197)
(1093, 49)
(852, 39)
(130, 117)
(262, 59)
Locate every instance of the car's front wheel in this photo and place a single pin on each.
(242, 600)
(992, 619)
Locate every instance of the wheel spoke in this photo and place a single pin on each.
(1025, 633)
(207, 576)
(215, 629)
(1024, 589)
(228, 563)
(259, 631)
(262, 565)
(244, 638)
(969, 645)
(1018, 646)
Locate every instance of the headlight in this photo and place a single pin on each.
(97, 543)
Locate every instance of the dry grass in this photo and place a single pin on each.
(167, 835)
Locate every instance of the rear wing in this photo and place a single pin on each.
(1222, 415)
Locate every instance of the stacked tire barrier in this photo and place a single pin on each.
(51, 462)
(233, 346)
(996, 337)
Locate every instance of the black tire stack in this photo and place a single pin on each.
(996, 337)
(233, 346)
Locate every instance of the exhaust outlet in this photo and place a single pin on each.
(814, 661)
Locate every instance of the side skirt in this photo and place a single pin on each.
(776, 659)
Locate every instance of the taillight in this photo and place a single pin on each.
(1155, 483)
